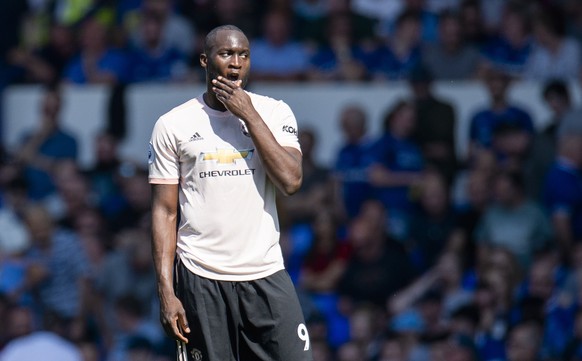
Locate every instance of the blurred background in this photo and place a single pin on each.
(440, 216)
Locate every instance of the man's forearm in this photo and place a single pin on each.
(164, 250)
(283, 167)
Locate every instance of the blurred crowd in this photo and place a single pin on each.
(132, 41)
(400, 251)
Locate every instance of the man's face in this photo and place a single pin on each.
(228, 57)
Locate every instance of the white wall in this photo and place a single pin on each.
(315, 105)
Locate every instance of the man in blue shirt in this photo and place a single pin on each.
(153, 60)
(396, 163)
(563, 191)
(45, 146)
(350, 163)
(499, 112)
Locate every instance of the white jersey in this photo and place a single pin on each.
(229, 229)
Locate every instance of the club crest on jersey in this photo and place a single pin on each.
(227, 156)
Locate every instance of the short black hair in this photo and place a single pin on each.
(556, 87)
(211, 36)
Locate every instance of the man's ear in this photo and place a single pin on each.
(203, 60)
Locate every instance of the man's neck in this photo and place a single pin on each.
(499, 104)
(213, 102)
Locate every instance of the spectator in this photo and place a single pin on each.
(364, 26)
(451, 58)
(493, 298)
(509, 51)
(20, 322)
(59, 270)
(400, 53)
(511, 144)
(524, 341)
(326, 260)
(350, 162)
(379, 267)
(428, 18)
(73, 194)
(462, 239)
(310, 17)
(43, 147)
(51, 344)
(396, 163)
(97, 62)
(324, 264)
(135, 207)
(132, 324)
(543, 147)
(554, 56)
(563, 192)
(47, 64)
(340, 57)
(500, 111)
(276, 56)
(366, 325)
(154, 60)
(177, 32)
(432, 222)
(513, 221)
(472, 22)
(103, 175)
(436, 124)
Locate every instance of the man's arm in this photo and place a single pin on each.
(164, 238)
(283, 164)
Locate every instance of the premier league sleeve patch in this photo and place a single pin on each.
(151, 154)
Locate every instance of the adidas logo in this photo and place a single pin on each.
(196, 136)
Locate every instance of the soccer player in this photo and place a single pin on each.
(215, 164)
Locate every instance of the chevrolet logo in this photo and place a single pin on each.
(228, 156)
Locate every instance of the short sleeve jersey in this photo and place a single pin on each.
(228, 228)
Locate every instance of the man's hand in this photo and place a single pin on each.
(234, 98)
(173, 317)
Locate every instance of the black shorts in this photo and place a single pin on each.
(258, 320)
